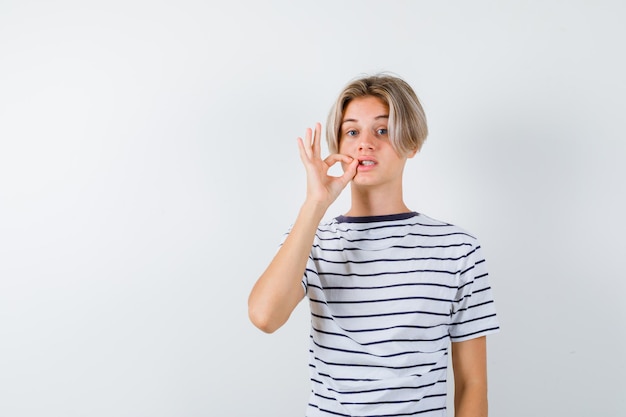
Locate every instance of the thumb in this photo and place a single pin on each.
(350, 171)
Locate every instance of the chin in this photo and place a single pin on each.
(363, 182)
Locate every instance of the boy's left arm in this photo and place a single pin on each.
(469, 364)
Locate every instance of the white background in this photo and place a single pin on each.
(149, 167)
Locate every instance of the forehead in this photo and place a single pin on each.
(363, 108)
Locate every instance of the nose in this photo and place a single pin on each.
(366, 141)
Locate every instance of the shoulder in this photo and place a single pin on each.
(445, 228)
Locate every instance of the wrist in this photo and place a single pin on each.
(313, 209)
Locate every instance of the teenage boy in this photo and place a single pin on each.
(390, 289)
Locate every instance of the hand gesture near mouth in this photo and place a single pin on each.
(279, 289)
(322, 187)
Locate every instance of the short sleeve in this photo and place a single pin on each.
(473, 310)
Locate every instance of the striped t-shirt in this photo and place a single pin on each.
(387, 295)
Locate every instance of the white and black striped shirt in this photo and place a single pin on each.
(387, 295)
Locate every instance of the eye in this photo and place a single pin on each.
(351, 132)
(381, 131)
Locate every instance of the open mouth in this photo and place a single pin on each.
(367, 163)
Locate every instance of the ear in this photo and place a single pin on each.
(412, 153)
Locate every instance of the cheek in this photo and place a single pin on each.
(344, 148)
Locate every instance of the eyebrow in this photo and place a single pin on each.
(382, 116)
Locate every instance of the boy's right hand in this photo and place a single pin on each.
(322, 187)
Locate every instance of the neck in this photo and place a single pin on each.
(376, 202)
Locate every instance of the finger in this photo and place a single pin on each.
(301, 149)
(316, 140)
(310, 136)
(306, 143)
(337, 157)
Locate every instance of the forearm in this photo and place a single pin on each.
(469, 362)
(278, 290)
(470, 400)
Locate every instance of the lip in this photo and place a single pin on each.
(366, 167)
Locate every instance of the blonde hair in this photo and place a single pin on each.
(407, 121)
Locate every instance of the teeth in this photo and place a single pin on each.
(367, 162)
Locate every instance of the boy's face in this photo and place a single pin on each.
(364, 136)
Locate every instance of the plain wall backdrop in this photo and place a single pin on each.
(149, 167)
